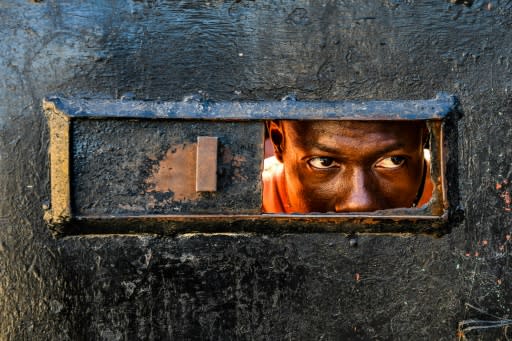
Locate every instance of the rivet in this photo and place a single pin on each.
(352, 241)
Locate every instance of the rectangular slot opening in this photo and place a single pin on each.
(346, 166)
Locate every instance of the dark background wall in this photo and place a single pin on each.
(254, 286)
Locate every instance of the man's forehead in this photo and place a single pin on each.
(350, 128)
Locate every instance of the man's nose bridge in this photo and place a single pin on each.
(358, 194)
(359, 184)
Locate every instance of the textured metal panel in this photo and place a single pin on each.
(123, 167)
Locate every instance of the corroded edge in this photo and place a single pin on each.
(397, 224)
(428, 109)
(439, 202)
(59, 211)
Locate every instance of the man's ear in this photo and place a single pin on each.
(276, 134)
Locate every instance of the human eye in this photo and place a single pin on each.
(392, 162)
(321, 162)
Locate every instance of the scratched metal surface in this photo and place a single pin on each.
(245, 286)
(138, 167)
(435, 108)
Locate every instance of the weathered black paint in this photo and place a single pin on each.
(113, 160)
(296, 286)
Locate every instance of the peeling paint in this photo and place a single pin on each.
(175, 173)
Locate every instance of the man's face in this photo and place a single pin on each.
(350, 166)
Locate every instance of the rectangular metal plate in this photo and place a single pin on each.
(206, 164)
(133, 167)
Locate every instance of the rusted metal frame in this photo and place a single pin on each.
(439, 202)
(264, 223)
(430, 109)
(443, 156)
(431, 218)
(60, 141)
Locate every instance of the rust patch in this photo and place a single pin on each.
(237, 163)
(176, 173)
(504, 192)
(227, 155)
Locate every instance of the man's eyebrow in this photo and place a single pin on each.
(392, 147)
(397, 145)
(326, 148)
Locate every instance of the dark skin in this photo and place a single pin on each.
(350, 166)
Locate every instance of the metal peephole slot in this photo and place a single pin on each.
(375, 166)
